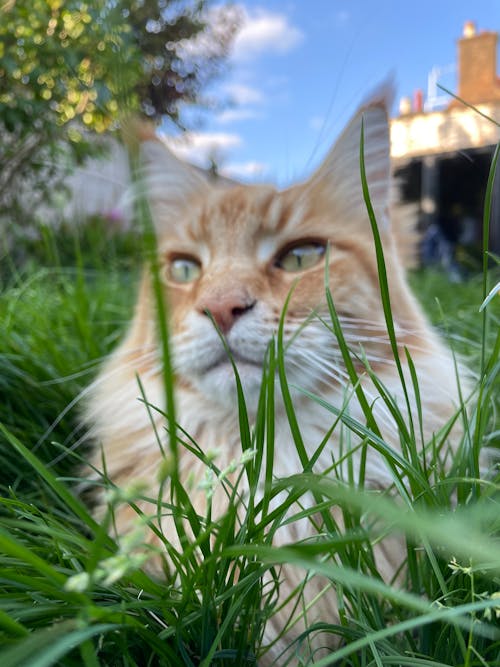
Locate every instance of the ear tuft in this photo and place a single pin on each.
(166, 176)
(166, 181)
(338, 178)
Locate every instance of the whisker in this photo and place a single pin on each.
(335, 370)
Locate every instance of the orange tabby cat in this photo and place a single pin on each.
(233, 254)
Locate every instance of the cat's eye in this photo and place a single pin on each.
(301, 256)
(184, 269)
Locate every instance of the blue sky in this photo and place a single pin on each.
(299, 69)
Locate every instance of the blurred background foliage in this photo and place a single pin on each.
(69, 70)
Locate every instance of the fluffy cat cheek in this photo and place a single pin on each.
(220, 384)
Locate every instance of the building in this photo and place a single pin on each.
(442, 156)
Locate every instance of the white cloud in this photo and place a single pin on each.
(264, 31)
(200, 147)
(243, 170)
(240, 93)
(233, 115)
(257, 31)
(243, 100)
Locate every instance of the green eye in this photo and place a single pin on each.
(184, 270)
(300, 257)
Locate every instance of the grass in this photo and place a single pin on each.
(69, 595)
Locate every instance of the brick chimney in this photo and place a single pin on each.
(477, 65)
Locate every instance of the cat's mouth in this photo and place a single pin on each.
(224, 360)
(217, 377)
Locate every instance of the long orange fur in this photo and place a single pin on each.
(236, 235)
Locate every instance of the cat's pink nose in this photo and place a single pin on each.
(226, 309)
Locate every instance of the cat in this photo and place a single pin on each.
(229, 256)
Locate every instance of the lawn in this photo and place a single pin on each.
(70, 596)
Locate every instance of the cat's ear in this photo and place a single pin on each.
(168, 183)
(338, 179)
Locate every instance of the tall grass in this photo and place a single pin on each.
(69, 595)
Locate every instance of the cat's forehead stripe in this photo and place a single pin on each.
(275, 213)
(251, 209)
(297, 213)
(266, 249)
(245, 219)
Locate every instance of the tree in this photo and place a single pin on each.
(72, 67)
(182, 48)
(56, 60)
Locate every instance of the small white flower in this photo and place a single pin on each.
(496, 609)
(114, 568)
(455, 566)
(213, 454)
(129, 557)
(230, 469)
(208, 483)
(248, 455)
(78, 583)
(126, 494)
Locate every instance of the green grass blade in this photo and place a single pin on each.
(486, 237)
(59, 488)
(45, 647)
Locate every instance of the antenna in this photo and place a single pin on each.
(435, 98)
